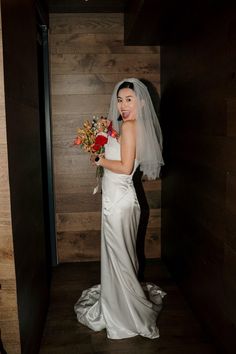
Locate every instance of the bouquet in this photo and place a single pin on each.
(93, 137)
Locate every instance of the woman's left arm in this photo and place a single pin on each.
(128, 151)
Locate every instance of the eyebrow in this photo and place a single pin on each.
(125, 96)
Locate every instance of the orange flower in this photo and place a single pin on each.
(77, 141)
(114, 133)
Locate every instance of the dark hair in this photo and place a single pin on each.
(125, 84)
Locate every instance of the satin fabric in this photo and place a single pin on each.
(120, 304)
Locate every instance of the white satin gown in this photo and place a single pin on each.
(119, 303)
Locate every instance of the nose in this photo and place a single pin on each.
(123, 104)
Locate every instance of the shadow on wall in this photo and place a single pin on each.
(154, 95)
(2, 350)
(144, 217)
(137, 179)
(173, 110)
(157, 106)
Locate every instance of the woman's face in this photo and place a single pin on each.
(127, 104)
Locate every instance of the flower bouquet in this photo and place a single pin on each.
(93, 137)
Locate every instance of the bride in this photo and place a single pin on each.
(119, 303)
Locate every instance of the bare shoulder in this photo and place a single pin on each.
(129, 126)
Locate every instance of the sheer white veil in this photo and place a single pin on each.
(149, 135)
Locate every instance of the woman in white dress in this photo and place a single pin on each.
(119, 303)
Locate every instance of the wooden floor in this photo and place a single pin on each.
(180, 333)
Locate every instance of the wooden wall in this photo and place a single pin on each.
(198, 110)
(9, 327)
(23, 144)
(88, 57)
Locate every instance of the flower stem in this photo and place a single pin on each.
(99, 171)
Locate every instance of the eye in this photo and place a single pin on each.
(119, 100)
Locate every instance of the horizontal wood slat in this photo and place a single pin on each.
(104, 63)
(78, 221)
(68, 183)
(80, 202)
(72, 84)
(95, 43)
(80, 104)
(91, 220)
(86, 23)
(81, 246)
(79, 235)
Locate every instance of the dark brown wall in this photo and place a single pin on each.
(9, 323)
(24, 155)
(198, 107)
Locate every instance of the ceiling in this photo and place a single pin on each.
(86, 5)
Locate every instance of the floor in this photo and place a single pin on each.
(180, 333)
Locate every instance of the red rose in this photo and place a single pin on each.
(96, 147)
(101, 140)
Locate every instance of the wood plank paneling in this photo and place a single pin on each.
(95, 43)
(78, 84)
(88, 57)
(86, 23)
(79, 235)
(79, 104)
(113, 63)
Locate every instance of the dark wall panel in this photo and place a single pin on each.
(198, 84)
(25, 169)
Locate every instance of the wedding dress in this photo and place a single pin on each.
(119, 304)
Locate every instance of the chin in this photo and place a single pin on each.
(127, 119)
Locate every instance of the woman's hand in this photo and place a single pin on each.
(93, 156)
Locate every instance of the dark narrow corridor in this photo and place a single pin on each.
(187, 50)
